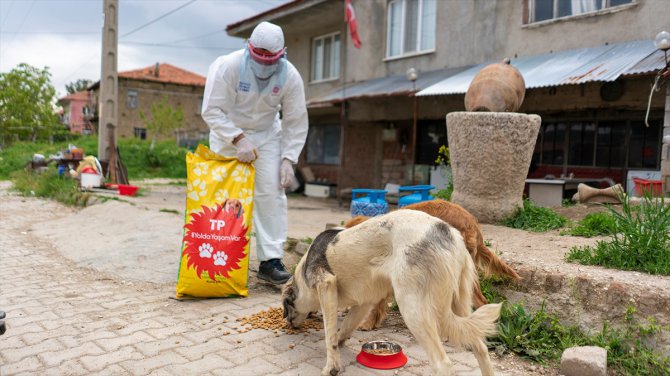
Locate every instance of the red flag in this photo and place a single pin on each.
(350, 18)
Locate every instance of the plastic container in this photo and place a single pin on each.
(651, 187)
(127, 190)
(381, 355)
(368, 202)
(90, 180)
(419, 193)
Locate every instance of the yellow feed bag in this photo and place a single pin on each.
(215, 250)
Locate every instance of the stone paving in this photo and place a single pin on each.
(67, 320)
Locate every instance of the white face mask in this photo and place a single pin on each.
(262, 71)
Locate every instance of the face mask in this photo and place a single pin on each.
(261, 71)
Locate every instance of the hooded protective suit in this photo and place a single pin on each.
(236, 101)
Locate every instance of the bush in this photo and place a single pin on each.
(534, 218)
(640, 240)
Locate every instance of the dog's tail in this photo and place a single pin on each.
(489, 263)
(468, 331)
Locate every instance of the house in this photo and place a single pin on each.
(139, 89)
(377, 113)
(76, 111)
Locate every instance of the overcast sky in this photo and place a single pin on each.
(65, 35)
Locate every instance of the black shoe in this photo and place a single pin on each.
(273, 271)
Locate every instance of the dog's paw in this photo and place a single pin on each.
(330, 371)
(366, 327)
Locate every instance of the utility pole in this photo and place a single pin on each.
(107, 102)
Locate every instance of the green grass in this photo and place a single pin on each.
(166, 160)
(14, 158)
(534, 218)
(640, 242)
(593, 224)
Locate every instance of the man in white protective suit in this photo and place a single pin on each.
(244, 92)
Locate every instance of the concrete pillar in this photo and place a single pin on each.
(490, 154)
(108, 98)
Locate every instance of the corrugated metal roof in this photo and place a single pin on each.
(385, 86)
(601, 63)
(651, 63)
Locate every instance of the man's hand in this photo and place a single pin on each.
(246, 151)
(286, 173)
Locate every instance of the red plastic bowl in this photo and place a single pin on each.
(371, 355)
(127, 190)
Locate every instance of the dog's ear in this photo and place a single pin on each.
(288, 300)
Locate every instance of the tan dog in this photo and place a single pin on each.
(234, 206)
(487, 262)
(419, 259)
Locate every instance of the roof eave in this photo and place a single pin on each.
(241, 28)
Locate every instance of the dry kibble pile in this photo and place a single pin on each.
(272, 319)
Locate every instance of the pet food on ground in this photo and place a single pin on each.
(273, 319)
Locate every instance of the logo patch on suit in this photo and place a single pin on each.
(244, 86)
(275, 90)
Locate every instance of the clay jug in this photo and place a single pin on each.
(497, 87)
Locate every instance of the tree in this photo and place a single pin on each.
(79, 85)
(26, 105)
(165, 119)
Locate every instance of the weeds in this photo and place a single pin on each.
(445, 194)
(534, 218)
(50, 185)
(540, 337)
(640, 241)
(593, 224)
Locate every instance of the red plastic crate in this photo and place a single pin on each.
(652, 187)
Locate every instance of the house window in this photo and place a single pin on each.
(131, 102)
(542, 10)
(581, 143)
(326, 57)
(605, 143)
(323, 144)
(141, 133)
(411, 27)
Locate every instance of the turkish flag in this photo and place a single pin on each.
(350, 18)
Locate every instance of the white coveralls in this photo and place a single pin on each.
(236, 102)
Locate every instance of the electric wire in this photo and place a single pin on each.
(157, 19)
(11, 4)
(165, 45)
(3, 49)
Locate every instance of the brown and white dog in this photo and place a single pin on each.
(412, 255)
(486, 262)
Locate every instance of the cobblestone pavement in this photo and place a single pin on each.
(67, 320)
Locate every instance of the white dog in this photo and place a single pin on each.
(417, 257)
